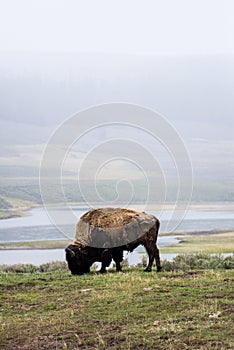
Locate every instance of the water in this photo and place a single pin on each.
(35, 257)
(37, 226)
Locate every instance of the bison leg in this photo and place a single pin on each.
(153, 253)
(106, 260)
(117, 255)
(157, 259)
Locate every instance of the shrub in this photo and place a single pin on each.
(184, 262)
(29, 268)
(19, 268)
(125, 262)
(228, 263)
(144, 262)
(198, 261)
(53, 266)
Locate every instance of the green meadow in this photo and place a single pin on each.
(183, 307)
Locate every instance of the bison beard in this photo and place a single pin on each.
(80, 258)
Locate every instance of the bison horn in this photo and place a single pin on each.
(70, 251)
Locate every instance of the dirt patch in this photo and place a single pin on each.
(189, 274)
(18, 285)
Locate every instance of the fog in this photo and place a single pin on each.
(178, 60)
(194, 92)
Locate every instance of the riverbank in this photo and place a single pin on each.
(15, 208)
(11, 214)
(211, 242)
(50, 244)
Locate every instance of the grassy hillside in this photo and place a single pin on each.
(130, 310)
(27, 188)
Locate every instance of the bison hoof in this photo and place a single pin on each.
(159, 268)
(147, 270)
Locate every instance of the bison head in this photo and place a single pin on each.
(77, 259)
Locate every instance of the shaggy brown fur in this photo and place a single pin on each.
(109, 217)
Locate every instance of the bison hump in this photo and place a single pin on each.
(109, 217)
(112, 227)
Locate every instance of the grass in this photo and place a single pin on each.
(132, 310)
(48, 244)
(216, 243)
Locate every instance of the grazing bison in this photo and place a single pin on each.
(103, 234)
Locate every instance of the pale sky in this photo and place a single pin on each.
(128, 26)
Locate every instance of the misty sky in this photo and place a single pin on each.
(176, 57)
(142, 27)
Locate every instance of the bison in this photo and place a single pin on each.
(104, 234)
